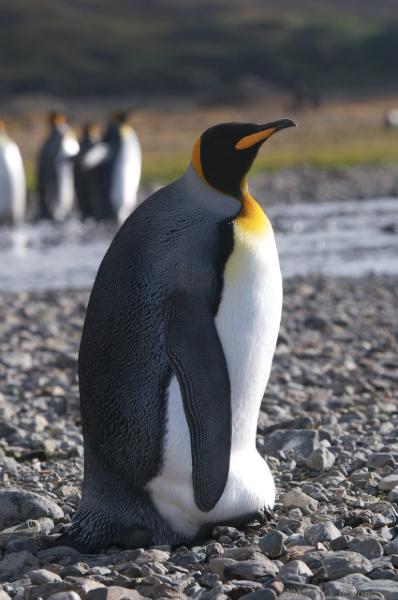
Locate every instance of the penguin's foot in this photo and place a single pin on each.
(263, 515)
(72, 541)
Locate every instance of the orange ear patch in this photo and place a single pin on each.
(254, 138)
(196, 162)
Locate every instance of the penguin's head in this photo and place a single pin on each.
(91, 131)
(223, 154)
(56, 118)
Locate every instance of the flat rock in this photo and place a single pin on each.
(295, 570)
(16, 563)
(64, 596)
(272, 544)
(321, 532)
(367, 546)
(19, 505)
(320, 459)
(297, 499)
(40, 576)
(83, 584)
(113, 592)
(344, 562)
(389, 482)
(387, 587)
(251, 569)
(300, 442)
(338, 588)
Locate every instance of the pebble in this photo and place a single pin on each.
(18, 505)
(389, 482)
(297, 499)
(272, 544)
(341, 563)
(40, 576)
(386, 587)
(332, 393)
(300, 443)
(320, 459)
(64, 596)
(295, 570)
(321, 532)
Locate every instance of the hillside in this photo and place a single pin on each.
(206, 46)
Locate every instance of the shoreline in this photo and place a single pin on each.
(311, 184)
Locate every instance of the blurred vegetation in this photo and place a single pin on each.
(206, 46)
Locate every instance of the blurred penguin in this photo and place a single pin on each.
(87, 185)
(121, 171)
(55, 173)
(12, 180)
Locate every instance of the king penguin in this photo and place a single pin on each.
(176, 351)
(12, 180)
(87, 185)
(121, 169)
(55, 169)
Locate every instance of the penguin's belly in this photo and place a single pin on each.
(126, 178)
(247, 323)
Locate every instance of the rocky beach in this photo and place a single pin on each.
(328, 426)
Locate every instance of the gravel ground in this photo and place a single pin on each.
(329, 427)
(309, 184)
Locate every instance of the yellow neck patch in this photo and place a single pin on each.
(251, 219)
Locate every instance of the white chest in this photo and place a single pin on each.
(247, 323)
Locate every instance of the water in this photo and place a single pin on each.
(352, 238)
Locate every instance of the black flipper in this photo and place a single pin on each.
(197, 358)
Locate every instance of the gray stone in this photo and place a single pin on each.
(83, 584)
(261, 595)
(367, 546)
(338, 588)
(19, 505)
(321, 532)
(40, 576)
(393, 495)
(355, 579)
(113, 592)
(387, 587)
(251, 569)
(151, 555)
(320, 459)
(46, 590)
(295, 570)
(272, 544)
(300, 442)
(340, 543)
(378, 460)
(341, 563)
(389, 482)
(218, 565)
(64, 596)
(240, 553)
(391, 547)
(297, 499)
(302, 590)
(15, 564)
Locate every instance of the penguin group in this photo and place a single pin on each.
(102, 172)
(175, 356)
